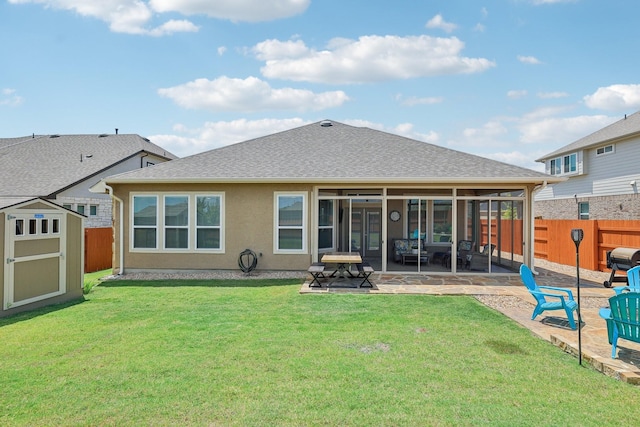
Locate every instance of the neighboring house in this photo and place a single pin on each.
(603, 175)
(62, 168)
(42, 254)
(323, 187)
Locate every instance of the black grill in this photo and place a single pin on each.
(621, 259)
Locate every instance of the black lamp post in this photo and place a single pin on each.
(577, 235)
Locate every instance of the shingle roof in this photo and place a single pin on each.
(43, 165)
(626, 127)
(6, 202)
(336, 153)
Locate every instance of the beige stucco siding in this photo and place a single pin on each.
(248, 224)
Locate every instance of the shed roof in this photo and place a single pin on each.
(42, 165)
(624, 128)
(332, 152)
(12, 202)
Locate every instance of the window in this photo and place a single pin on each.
(325, 224)
(176, 222)
(55, 226)
(145, 221)
(67, 206)
(81, 209)
(604, 150)
(44, 226)
(583, 210)
(290, 220)
(564, 165)
(19, 227)
(33, 226)
(208, 229)
(93, 210)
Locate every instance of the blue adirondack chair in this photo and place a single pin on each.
(633, 281)
(622, 318)
(561, 299)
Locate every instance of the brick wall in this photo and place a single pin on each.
(103, 217)
(605, 207)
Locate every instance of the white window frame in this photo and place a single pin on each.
(276, 224)
(192, 223)
(83, 207)
(133, 226)
(95, 207)
(179, 227)
(557, 165)
(197, 227)
(605, 152)
(331, 226)
(583, 215)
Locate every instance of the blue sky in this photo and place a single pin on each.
(510, 80)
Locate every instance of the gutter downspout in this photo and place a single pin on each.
(121, 227)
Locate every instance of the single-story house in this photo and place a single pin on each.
(42, 254)
(325, 187)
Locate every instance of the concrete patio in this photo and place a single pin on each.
(507, 294)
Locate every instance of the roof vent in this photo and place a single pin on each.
(103, 135)
(54, 136)
(326, 123)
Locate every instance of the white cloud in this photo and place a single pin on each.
(9, 98)
(615, 98)
(552, 95)
(248, 95)
(413, 101)
(134, 16)
(488, 133)
(518, 158)
(368, 59)
(529, 60)
(174, 26)
(275, 49)
(234, 10)
(560, 130)
(222, 50)
(218, 134)
(438, 22)
(123, 16)
(516, 94)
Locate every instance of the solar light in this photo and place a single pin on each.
(577, 235)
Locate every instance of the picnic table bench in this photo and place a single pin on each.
(316, 270)
(364, 271)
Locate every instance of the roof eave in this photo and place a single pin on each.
(595, 144)
(360, 181)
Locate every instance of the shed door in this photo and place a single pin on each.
(34, 264)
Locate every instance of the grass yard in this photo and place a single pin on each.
(256, 352)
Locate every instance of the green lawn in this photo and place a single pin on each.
(256, 352)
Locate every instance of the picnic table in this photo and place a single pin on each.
(342, 259)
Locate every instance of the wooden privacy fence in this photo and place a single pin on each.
(553, 240)
(98, 249)
(510, 232)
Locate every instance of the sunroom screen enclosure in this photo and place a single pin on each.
(414, 230)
